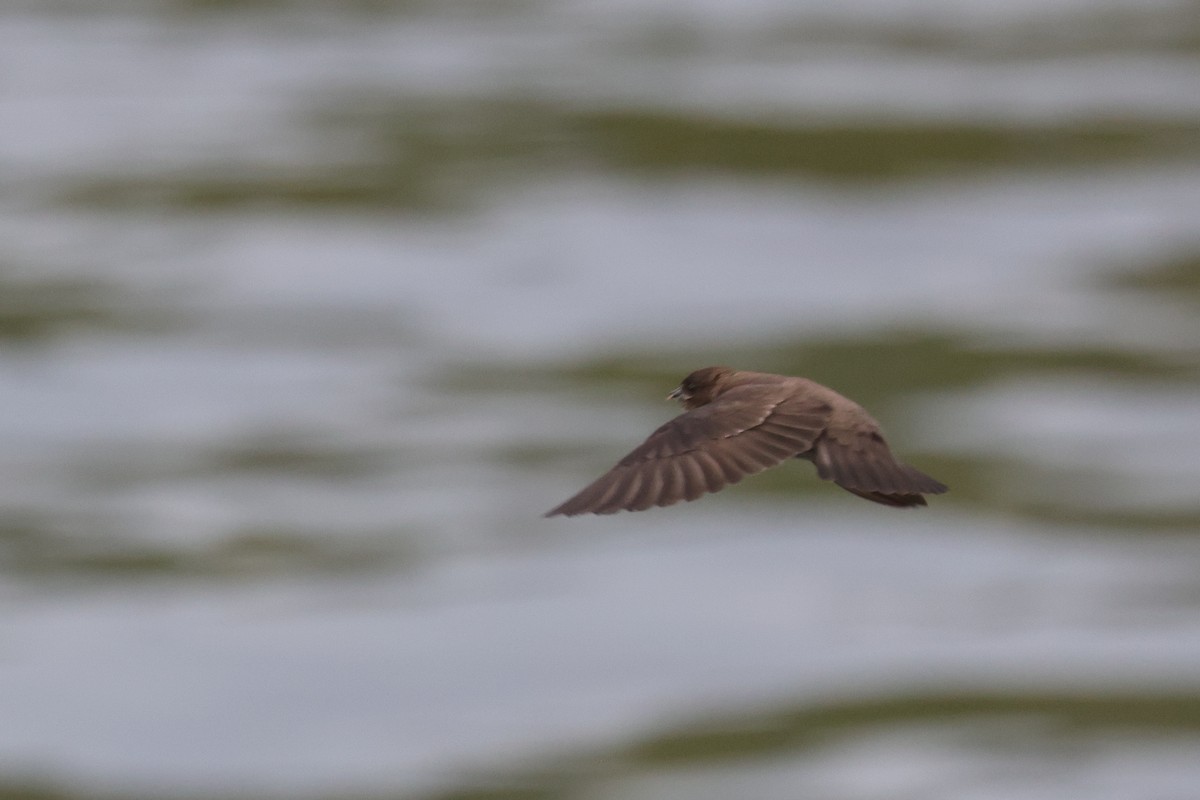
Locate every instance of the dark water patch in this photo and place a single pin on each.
(1087, 31)
(447, 136)
(296, 456)
(295, 12)
(1062, 716)
(39, 309)
(516, 791)
(265, 552)
(530, 456)
(652, 142)
(16, 789)
(424, 155)
(217, 188)
(909, 361)
(1176, 275)
(370, 9)
(631, 371)
(289, 456)
(44, 546)
(313, 328)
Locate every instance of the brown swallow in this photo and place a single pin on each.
(739, 423)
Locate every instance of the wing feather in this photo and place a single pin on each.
(745, 430)
(651, 484)
(714, 473)
(695, 482)
(673, 489)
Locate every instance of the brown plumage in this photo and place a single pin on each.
(739, 423)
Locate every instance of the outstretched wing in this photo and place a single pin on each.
(745, 430)
(857, 458)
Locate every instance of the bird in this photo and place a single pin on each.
(737, 423)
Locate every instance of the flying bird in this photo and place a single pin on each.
(737, 423)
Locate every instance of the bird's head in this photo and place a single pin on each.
(701, 387)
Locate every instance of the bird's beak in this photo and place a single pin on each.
(678, 394)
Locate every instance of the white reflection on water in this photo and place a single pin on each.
(1135, 444)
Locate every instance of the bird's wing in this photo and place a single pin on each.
(745, 430)
(857, 458)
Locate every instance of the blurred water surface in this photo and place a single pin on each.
(309, 309)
